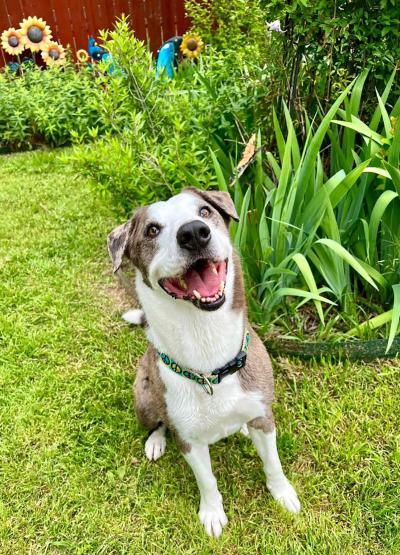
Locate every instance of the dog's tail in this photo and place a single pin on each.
(135, 316)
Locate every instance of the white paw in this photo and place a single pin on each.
(244, 430)
(155, 445)
(285, 494)
(213, 519)
(133, 316)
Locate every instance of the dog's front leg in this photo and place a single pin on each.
(277, 483)
(211, 512)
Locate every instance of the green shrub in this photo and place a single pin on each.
(230, 25)
(324, 46)
(161, 130)
(319, 223)
(52, 107)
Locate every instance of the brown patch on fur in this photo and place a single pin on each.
(219, 200)
(257, 375)
(130, 240)
(265, 424)
(140, 248)
(149, 396)
(116, 242)
(184, 446)
(239, 298)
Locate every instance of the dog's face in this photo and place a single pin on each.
(181, 246)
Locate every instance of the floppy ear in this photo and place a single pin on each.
(117, 242)
(220, 200)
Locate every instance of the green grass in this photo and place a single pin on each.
(73, 477)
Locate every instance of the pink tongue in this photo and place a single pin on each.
(205, 282)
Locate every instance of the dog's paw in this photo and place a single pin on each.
(154, 447)
(244, 430)
(285, 494)
(213, 519)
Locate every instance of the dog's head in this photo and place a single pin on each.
(181, 247)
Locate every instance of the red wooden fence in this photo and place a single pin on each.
(73, 21)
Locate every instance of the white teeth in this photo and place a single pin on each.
(196, 294)
(213, 268)
(203, 299)
(182, 283)
(221, 287)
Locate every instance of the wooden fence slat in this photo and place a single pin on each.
(73, 21)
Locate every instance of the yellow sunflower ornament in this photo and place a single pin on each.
(53, 54)
(11, 41)
(191, 45)
(35, 33)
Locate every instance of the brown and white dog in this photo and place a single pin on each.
(189, 284)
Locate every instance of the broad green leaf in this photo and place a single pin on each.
(241, 232)
(359, 126)
(307, 274)
(348, 258)
(274, 164)
(394, 151)
(376, 217)
(372, 324)
(385, 95)
(312, 149)
(378, 171)
(278, 227)
(218, 171)
(373, 272)
(294, 292)
(317, 206)
(394, 174)
(295, 145)
(385, 115)
(280, 141)
(394, 324)
(337, 192)
(191, 179)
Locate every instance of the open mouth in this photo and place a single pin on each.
(203, 284)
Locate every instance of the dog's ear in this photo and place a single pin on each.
(117, 242)
(124, 236)
(220, 200)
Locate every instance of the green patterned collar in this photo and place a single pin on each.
(216, 376)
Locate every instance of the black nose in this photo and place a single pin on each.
(193, 236)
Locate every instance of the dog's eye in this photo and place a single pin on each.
(205, 212)
(152, 231)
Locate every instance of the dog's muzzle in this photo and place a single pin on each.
(203, 284)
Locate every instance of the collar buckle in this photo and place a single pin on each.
(216, 376)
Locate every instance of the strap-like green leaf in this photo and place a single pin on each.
(349, 258)
(394, 324)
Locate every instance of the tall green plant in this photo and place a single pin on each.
(313, 218)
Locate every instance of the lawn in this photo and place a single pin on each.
(73, 476)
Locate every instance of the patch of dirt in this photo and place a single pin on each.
(119, 288)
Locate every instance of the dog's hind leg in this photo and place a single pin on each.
(150, 404)
(277, 483)
(134, 316)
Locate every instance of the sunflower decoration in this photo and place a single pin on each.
(82, 56)
(191, 45)
(11, 41)
(53, 54)
(35, 33)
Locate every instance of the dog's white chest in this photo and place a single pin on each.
(200, 417)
